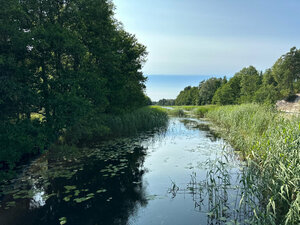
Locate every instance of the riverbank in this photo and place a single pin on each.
(94, 128)
(138, 180)
(105, 126)
(189, 110)
(270, 143)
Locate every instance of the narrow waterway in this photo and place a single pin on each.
(183, 174)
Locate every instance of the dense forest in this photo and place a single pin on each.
(282, 80)
(65, 66)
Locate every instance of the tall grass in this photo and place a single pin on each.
(177, 112)
(186, 107)
(98, 127)
(201, 111)
(271, 143)
(171, 110)
(190, 110)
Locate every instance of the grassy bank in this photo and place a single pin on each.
(24, 144)
(104, 126)
(182, 111)
(271, 143)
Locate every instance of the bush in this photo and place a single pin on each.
(18, 140)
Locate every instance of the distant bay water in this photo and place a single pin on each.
(169, 86)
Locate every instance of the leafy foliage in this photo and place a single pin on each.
(187, 97)
(208, 88)
(286, 72)
(166, 102)
(66, 61)
(229, 93)
(248, 85)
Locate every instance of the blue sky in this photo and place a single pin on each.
(169, 86)
(211, 37)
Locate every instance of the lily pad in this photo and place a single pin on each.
(62, 220)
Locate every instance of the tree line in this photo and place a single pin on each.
(281, 81)
(62, 61)
(165, 102)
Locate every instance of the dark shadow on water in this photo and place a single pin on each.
(109, 183)
(87, 186)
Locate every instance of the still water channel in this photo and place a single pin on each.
(183, 174)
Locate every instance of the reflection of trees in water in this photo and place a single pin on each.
(124, 193)
(122, 164)
(197, 125)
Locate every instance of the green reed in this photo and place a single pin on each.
(270, 143)
(103, 126)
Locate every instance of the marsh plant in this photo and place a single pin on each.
(101, 127)
(223, 194)
(177, 112)
(270, 142)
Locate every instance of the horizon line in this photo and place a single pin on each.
(184, 75)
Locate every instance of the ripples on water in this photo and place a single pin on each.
(184, 174)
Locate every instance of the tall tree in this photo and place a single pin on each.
(188, 96)
(207, 90)
(229, 93)
(66, 61)
(286, 72)
(250, 83)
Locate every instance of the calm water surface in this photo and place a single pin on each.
(183, 174)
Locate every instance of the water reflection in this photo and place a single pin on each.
(91, 186)
(201, 125)
(162, 177)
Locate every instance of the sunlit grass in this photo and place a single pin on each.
(271, 143)
(198, 111)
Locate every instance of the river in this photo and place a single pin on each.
(182, 174)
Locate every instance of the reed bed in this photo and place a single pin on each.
(103, 126)
(270, 143)
(182, 111)
(201, 111)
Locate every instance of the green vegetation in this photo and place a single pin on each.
(186, 107)
(208, 88)
(165, 102)
(100, 127)
(201, 95)
(187, 96)
(249, 85)
(201, 111)
(271, 143)
(187, 110)
(268, 141)
(177, 113)
(67, 68)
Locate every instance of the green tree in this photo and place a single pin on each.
(286, 72)
(250, 83)
(188, 96)
(166, 102)
(268, 92)
(67, 63)
(207, 90)
(229, 93)
(19, 135)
